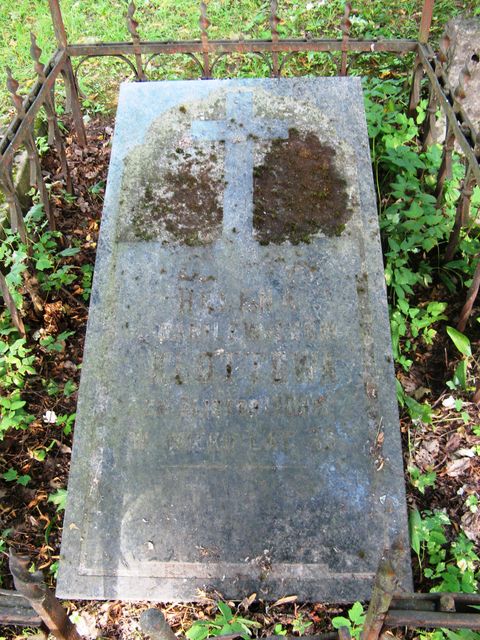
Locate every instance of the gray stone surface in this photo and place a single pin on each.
(464, 53)
(237, 423)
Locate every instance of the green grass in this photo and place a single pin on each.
(104, 20)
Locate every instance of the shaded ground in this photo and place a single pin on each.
(33, 524)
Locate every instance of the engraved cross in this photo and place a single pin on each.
(239, 132)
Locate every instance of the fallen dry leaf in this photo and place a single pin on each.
(284, 600)
(457, 467)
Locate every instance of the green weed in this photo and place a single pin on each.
(354, 622)
(59, 499)
(421, 480)
(225, 622)
(452, 567)
(12, 475)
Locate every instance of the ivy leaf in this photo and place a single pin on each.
(226, 611)
(10, 475)
(460, 341)
(340, 621)
(59, 499)
(70, 251)
(356, 613)
(197, 631)
(415, 524)
(23, 480)
(43, 263)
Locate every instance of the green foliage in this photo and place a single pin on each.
(17, 360)
(460, 341)
(42, 145)
(300, 625)
(43, 253)
(449, 634)
(57, 343)
(452, 567)
(16, 363)
(421, 480)
(69, 388)
(12, 475)
(13, 414)
(86, 282)
(225, 622)
(41, 453)
(59, 499)
(472, 503)
(419, 412)
(460, 378)
(67, 421)
(354, 622)
(279, 630)
(415, 229)
(413, 225)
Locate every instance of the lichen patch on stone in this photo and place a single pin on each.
(173, 183)
(184, 207)
(299, 191)
(172, 186)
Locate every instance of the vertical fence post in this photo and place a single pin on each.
(132, 26)
(10, 304)
(423, 33)
(73, 98)
(427, 130)
(17, 223)
(462, 213)
(426, 22)
(36, 177)
(58, 25)
(386, 582)
(274, 22)
(153, 623)
(415, 88)
(445, 170)
(54, 133)
(467, 307)
(204, 23)
(34, 589)
(346, 26)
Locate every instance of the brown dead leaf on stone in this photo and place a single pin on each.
(285, 600)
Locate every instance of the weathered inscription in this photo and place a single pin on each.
(237, 371)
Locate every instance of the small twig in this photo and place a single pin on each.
(72, 297)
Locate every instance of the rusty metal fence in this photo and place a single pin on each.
(138, 54)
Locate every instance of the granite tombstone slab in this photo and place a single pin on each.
(237, 425)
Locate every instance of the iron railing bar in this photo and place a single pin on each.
(447, 108)
(243, 46)
(449, 89)
(58, 24)
(426, 22)
(17, 131)
(432, 619)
